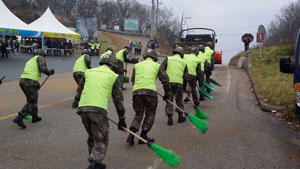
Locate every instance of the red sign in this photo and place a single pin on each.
(260, 37)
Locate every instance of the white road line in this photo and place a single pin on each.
(229, 80)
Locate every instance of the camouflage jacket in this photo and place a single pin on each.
(117, 95)
(42, 65)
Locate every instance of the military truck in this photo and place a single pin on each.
(190, 38)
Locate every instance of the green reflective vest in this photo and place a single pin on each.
(98, 87)
(109, 52)
(202, 59)
(208, 53)
(192, 62)
(175, 69)
(120, 55)
(97, 45)
(146, 73)
(31, 70)
(80, 65)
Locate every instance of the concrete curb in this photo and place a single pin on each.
(264, 106)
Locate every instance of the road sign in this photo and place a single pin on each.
(260, 37)
(262, 29)
(131, 24)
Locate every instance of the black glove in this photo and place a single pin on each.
(165, 98)
(125, 70)
(0, 81)
(75, 105)
(121, 124)
(52, 71)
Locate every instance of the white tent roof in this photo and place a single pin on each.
(48, 23)
(9, 20)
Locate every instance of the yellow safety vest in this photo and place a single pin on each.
(80, 65)
(192, 62)
(146, 73)
(208, 53)
(202, 59)
(31, 70)
(120, 55)
(175, 69)
(98, 87)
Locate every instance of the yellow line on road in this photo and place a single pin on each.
(40, 107)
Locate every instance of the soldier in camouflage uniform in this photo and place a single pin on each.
(81, 65)
(94, 92)
(177, 72)
(203, 62)
(194, 68)
(209, 52)
(122, 57)
(29, 83)
(143, 79)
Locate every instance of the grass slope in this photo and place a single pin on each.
(274, 86)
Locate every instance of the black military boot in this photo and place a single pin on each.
(19, 121)
(130, 138)
(181, 118)
(36, 118)
(144, 136)
(94, 165)
(170, 120)
(187, 99)
(201, 98)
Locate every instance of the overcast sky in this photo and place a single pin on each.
(229, 18)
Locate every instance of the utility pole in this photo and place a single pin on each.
(157, 3)
(152, 20)
(181, 22)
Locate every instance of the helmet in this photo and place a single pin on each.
(40, 52)
(109, 60)
(209, 44)
(179, 50)
(194, 50)
(109, 48)
(86, 51)
(150, 53)
(201, 48)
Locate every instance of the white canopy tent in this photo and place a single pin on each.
(13, 26)
(51, 27)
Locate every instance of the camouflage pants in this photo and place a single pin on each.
(120, 72)
(96, 124)
(193, 85)
(200, 81)
(30, 89)
(78, 76)
(178, 93)
(208, 73)
(144, 104)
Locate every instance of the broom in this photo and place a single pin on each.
(166, 155)
(200, 124)
(210, 87)
(215, 82)
(201, 90)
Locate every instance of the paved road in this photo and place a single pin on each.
(240, 135)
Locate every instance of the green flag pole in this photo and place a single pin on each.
(167, 156)
(200, 124)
